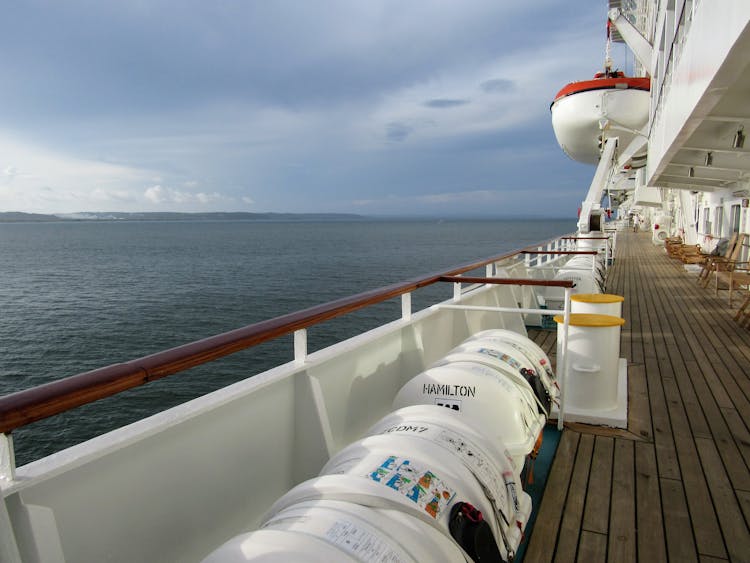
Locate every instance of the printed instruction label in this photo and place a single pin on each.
(362, 543)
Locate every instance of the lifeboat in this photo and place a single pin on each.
(586, 113)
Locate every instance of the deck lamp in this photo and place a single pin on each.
(739, 139)
(709, 159)
(691, 172)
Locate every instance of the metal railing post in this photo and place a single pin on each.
(300, 346)
(7, 459)
(406, 306)
(564, 358)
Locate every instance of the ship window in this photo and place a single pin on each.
(706, 221)
(718, 220)
(735, 218)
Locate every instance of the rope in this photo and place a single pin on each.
(607, 47)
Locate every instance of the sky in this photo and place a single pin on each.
(376, 107)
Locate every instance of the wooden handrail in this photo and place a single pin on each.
(508, 281)
(30, 405)
(559, 252)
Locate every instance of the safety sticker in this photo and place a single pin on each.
(419, 485)
(510, 360)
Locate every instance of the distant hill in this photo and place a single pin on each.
(17, 217)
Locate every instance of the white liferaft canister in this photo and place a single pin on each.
(365, 533)
(496, 360)
(514, 352)
(323, 530)
(413, 476)
(490, 402)
(277, 546)
(530, 348)
(583, 272)
(592, 241)
(593, 356)
(419, 476)
(488, 461)
(597, 303)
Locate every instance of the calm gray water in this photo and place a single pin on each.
(78, 296)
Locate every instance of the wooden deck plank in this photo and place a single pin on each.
(744, 498)
(677, 528)
(739, 432)
(639, 412)
(596, 513)
(621, 540)
(666, 454)
(571, 522)
(651, 544)
(593, 548)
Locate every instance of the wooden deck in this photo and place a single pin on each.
(675, 486)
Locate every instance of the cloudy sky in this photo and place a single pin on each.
(366, 106)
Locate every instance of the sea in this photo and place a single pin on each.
(79, 295)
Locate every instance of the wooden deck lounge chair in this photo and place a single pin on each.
(733, 275)
(734, 247)
(742, 316)
(691, 254)
(717, 263)
(672, 245)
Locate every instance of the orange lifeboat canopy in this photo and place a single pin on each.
(603, 82)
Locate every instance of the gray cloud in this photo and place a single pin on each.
(227, 94)
(445, 103)
(498, 85)
(398, 131)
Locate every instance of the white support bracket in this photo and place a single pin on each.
(300, 346)
(406, 306)
(599, 182)
(640, 46)
(7, 458)
(8, 546)
(635, 146)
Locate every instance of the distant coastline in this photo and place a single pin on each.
(19, 217)
(118, 216)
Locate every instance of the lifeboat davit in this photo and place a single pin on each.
(610, 105)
